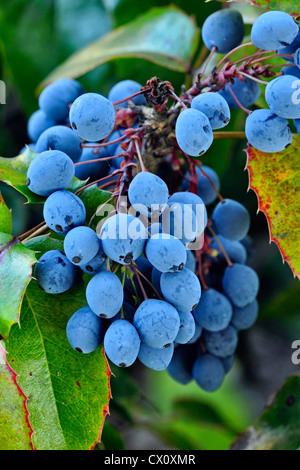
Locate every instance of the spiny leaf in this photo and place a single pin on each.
(13, 172)
(16, 263)
(165, 36)
(15, 430)
(279, 426)
(67, 393)
(275, 178)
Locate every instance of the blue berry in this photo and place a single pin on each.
(193, 132)
(235, 250)
(121, 343)
(60, 138)
(149, 190)
(156, 359)
(123, 238)
(95, 170)
(282, 96)
(268, 132)
(247, 92)
(245, 317)
(38, 123)
(227, 363)
(181, 289)
(85, 331)
(56, 98)
(197, 334)
(208, 372)
(214, 106)
(240, 284)
(124, 89)
(290, 49)
(92, 117)
(291, 70)
(49, 172)
(297, 125)
(180, 367)
(128, 313)
(155, 228)
(214, 311)
(187, 328)
(231, 219)
(132, 285)
(104, 294)
(28, 148)
(197, 205)
(166, 253)
(274, 30)
(190, 261)
(63, 211)
(221, 343)
(155, 279)
(81, 244)
(223, 29)
(54, 272)
(116, 162)
(157, 323)
(204, 187)
(96, 264)
(180, 221)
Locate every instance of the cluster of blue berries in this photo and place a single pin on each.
(267, 130)
(144, 299)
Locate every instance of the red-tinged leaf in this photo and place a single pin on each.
(15, 429)
(275, 178)
(67, 392)
(16, 263)
(288, 6)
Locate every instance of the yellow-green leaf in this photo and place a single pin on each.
(275, 178)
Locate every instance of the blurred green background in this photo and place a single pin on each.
(149, 410)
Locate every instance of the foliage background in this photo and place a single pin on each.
(149, 410)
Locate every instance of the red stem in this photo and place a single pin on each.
(115, 103)
(104, 144)
(237, 101)
(139, 281)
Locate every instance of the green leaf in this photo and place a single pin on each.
(187, 434)
(279, 426)
(67, 392)
(5, 217)
(283, 304)
(200, 411)
(165, 36)
(276, 182)
(289, 6)
(42, 244)
(15, 431)
(93, 198)
(111, 438)
(13, 171)
(16, 263)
